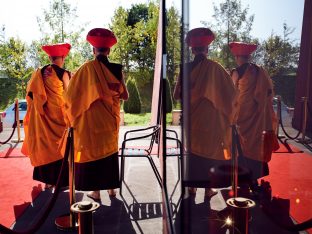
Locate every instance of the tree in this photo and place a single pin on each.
(133, 105)
(57, 25)
(14, 63)
(2, 34)
(57, 22)
(120, 52)
(144, 35)
(137, 13)
(232, 24)
(136, 30)
(173, 45)
(280, 54)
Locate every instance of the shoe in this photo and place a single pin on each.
(210, 192)
(111, 192)
(95, 195)
(192, 191)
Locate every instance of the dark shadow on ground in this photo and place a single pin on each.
(198, 218)
(106, 219)
(115, 215)
(268, 215)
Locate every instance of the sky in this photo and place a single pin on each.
(20, 16)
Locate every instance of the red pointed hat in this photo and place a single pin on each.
(241, 48)
(61, 49)
(101, 38)
(198, 37)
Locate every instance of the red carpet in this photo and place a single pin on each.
(18, 189)
(291, 178)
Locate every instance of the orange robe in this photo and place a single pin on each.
(212, 104)
(255, 111)
(44, 123)
(92, 104)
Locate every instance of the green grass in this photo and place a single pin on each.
(142, 119)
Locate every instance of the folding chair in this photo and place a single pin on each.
(151, 132)
(176, 149)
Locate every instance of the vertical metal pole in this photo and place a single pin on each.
(168, 211)
(85, 223)
(240, 220)
(185, 216)
(72, 198)
(164, 87)
(240, 214)
(19, 139)
(18, 120)
(305, 113)
(68, 222)
(234, 161)
(279, 109)
(185, 92)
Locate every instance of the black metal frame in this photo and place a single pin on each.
(178, 148)
(147, 153)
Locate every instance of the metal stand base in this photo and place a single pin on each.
(240, 216)
(63, 223)
(284, 143)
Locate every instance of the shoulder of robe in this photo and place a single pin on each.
(36, 72)
(217, 67)
(81, 71)
(87, 63)
(215, 64)
(84, 66)
(262, 70)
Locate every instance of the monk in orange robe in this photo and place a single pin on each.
(93, 109)
(256, 119)
(212, 97)
(44, 122)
